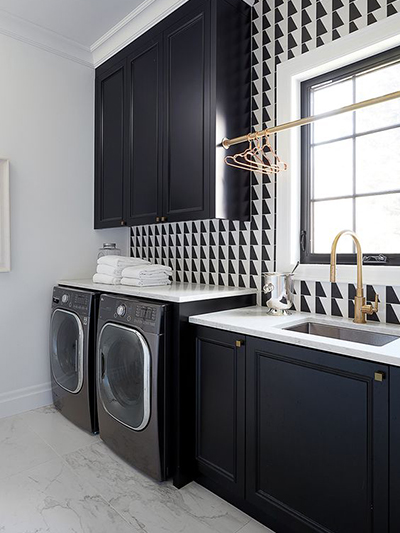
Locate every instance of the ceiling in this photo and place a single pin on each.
(82, 21)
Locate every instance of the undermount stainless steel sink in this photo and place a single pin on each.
(344, 334)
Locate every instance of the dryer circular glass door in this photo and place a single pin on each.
(124, 375)
(66, 350)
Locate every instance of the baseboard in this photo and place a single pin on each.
(21, 400)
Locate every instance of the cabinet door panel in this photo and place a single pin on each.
(144, 93)
(317, 439)
(394, 447)
(186, 180)
(220, 401)
(110, 123)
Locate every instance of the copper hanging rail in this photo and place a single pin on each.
(226, 143)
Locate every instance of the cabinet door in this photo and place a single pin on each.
(220, 404)
(187, 105)
(110, 150)
(143, 191)
(317, 440)
(394, 447)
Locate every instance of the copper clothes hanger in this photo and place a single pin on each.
(261, 158)
(264, 155)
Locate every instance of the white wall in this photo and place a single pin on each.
(47, 132)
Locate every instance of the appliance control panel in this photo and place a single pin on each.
(137, 313)
(73, 300)
(146, 313)
(80, 301)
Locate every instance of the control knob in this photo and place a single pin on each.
(65, 298)
(121, 310)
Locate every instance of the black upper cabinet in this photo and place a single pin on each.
(186, 171)
(110, 157)
(144, 185)
(180, 88)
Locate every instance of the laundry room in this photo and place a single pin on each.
(200, 266)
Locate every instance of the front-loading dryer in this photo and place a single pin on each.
(132, 381)
(73, 325)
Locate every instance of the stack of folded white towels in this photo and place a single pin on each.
(116, 270)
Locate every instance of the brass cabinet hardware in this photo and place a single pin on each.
(157, 219)
(379, 376)
(239, 344)
(163, 219)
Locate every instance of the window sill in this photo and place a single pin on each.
(372, 275)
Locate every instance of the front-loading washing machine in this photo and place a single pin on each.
(73, 325)
(133, 381)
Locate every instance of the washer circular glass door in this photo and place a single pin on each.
(124, 375)
(66, 350)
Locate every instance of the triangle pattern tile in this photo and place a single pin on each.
(376, 10)
(220, 252)
(322, 305)
(307, 304)
(393, 295)
(393, 313)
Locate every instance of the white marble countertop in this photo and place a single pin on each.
(256, 322)
(176, 292)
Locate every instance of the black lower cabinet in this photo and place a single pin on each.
(317, 440)
(394, 449)
(220, 401)
(316, 429)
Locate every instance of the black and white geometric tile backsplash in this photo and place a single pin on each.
(221, 252)
(337, 299)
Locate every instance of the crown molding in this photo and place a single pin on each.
(52, 42)
(142, 18)
(121, 24)
(145, 16)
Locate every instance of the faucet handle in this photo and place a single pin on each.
(370, 309)
(375, 306)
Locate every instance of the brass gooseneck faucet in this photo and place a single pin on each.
(360, 307)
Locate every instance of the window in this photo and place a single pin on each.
(351, 163)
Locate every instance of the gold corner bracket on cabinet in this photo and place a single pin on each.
(379, 376)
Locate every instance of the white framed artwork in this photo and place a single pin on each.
(5, 255)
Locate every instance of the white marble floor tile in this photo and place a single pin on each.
(56, 430)
(151, 506)
(20, 447)
(51, 498)
(255, 527)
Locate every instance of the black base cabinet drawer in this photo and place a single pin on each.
(316, 430)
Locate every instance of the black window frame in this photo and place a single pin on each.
(306, 257)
